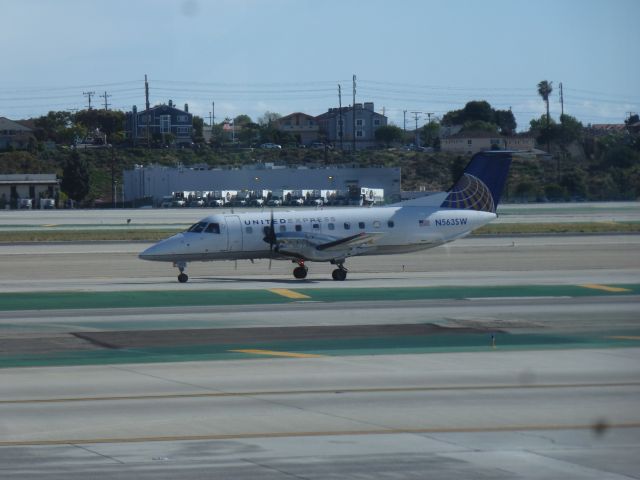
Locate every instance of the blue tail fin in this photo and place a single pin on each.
(480, 186)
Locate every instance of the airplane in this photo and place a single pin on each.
(335, 234)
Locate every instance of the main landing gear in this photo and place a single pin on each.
(182, 277)
(339, 273)
(301, 270)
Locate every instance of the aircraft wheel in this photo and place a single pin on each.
(300, 272)
(339, 274)
(182, 278)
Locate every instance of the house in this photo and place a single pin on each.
(304, 128)
(163, 119)
(601, 129)
(478, 141)
(14, 135)
(337, 125)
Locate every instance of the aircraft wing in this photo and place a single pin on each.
(323, 247)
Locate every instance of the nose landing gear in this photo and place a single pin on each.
(182, 277)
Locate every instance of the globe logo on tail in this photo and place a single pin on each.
(470, 193)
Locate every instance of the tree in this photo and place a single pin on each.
(249, 134)
(570, 129)
(429, 133)
(59, 127)
(107, 121)
(198, 126)
(268, 117)
(478, 110)
(242, 120)
(544, 90)
(480, 125)
(544, 134)
(481, 111)
(454, 117)
(505, 121)
(389, 134)
(75, 177)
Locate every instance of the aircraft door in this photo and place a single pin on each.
(234, 233)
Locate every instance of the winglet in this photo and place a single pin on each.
(481, 184)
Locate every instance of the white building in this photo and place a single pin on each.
(157, 181)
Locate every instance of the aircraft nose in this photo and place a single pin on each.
(161, 250)
(149, 253)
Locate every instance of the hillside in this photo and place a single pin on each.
(611, 174)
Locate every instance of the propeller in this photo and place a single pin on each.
(270, 238)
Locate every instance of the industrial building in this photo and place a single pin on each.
(29, 190)
(155, 183)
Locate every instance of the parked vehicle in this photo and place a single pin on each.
(271, 145)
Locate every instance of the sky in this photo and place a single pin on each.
(285, 56)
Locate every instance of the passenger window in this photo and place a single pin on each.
(331, 226)
(197, 227)
(213, 228)
(347, 225)
(248, 230)
(283, 228)
(376, 224)
(298, 228)
(361, 225)
(390, 224)
(316, 226)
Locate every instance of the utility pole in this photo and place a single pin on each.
(416, 115)
(88, 95)
(429, 116)
(404, 120)
(354, 114)
(213, 113)
(105, 96)
(561, 104)
(113, 176)
(146, 98)
(340, 123)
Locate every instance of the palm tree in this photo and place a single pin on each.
(544, 90)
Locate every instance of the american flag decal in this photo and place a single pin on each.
(424, 223)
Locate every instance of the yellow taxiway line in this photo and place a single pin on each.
(288, 293)
(278, 354)
(597, 428)
(605, 288)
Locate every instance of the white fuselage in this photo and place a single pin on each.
(398, 229)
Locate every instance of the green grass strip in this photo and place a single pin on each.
(134, 299)
(550, 228)
(175, 298)
(437, 343)
(89, 234)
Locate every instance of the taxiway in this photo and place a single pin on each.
(542, 381)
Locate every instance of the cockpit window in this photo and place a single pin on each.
(213, 228)
(197, 227)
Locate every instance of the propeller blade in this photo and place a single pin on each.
(270, 237)
(270, 234)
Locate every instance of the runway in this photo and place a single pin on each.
(493, 358)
